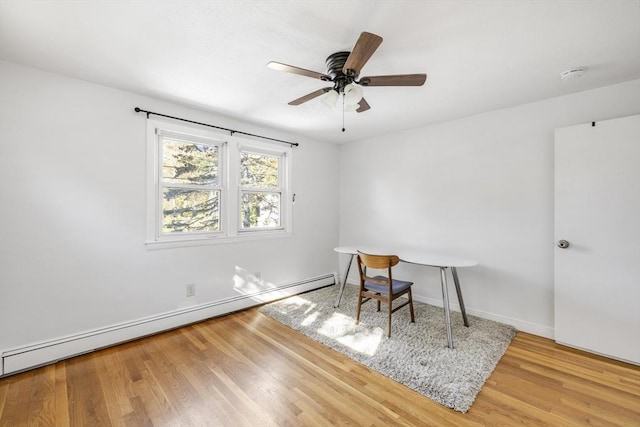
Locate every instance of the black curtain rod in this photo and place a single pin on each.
(140, 110)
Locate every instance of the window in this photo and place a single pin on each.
(260, 190)
(206, 187)
(190, 185)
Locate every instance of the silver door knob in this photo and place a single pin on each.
(563, 244)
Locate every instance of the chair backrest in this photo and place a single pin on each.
(376, 262)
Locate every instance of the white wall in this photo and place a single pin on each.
(480, 187)
(73, 212)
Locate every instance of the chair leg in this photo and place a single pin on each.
(390, 311)
(358, 308)
(378, 304)
(413, 319)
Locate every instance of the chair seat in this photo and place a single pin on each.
(397, 285)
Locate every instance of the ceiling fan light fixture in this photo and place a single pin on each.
(330, 98)
(352, 94)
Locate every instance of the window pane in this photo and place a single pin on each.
(258, 170)
(260, 210)
(185, 210)
(189, 163)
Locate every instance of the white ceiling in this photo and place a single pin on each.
(212, 55)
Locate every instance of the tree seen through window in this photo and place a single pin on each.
(190, 194)
(261, 193)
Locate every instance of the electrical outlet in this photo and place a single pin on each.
(191, 289)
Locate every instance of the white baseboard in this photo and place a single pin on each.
(46, 352)
(632, 362)
(532, 328)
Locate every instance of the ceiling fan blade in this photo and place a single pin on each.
(297, 70)
(365, 46)
(394, 80)
(364, 106)
(310, 96)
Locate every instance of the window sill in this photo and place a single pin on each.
(216, 240)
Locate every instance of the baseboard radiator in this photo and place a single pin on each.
(51, 351)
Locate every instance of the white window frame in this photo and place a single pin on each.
(230, 192)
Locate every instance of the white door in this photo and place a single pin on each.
(597, 211)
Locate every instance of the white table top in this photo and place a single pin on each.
(412, 256)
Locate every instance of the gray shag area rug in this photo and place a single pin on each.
(416, 355)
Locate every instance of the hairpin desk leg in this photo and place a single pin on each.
(454, 272)
(344, 281)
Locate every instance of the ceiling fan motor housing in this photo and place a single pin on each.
(335, 62)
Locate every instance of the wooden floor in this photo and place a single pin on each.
(246, 369)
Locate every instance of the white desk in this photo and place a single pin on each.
(420, 258)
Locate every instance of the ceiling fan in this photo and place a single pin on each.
(343, 70)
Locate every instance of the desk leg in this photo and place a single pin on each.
(344, 281)
(445, 302)
(454, 272)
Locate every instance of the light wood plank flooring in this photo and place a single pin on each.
(246, 369)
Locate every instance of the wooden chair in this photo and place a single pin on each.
(382, 288)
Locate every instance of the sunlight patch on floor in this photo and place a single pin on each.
(342, 329)
(338, 326)
(307, 308)
(311, 318)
